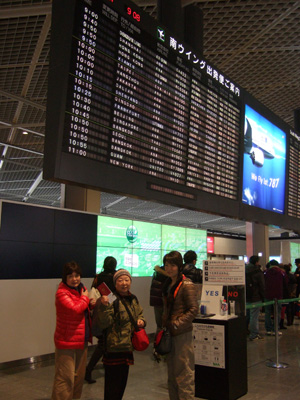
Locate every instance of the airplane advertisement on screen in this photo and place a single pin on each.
(264, 163)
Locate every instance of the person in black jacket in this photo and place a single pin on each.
(106, 276)
(297, 275)
(189, 269)
(255, 293)
(156, 297)
(292, 290)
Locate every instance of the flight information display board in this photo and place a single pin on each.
(294, 176)
(139, 100)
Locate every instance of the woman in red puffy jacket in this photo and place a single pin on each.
(73, 331)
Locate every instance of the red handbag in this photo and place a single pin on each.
(140, 340)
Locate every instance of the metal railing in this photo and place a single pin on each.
(274, 302)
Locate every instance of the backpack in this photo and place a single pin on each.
(249, 285)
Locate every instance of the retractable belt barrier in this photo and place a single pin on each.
(275, 302)
(270, 302)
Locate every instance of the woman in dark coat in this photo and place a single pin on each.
(106, 276)
(180, 309)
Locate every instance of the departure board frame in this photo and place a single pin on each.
(133, 110)
(173, 121)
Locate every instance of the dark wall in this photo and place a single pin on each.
(36, 242)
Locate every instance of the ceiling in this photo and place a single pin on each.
(256, 43)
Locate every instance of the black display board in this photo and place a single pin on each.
(293, 206)
(131, 109)
(134, 110)
(35, 242)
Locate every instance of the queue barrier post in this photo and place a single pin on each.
(270, 363)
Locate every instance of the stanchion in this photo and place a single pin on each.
(276, 364)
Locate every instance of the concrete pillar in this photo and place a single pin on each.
(285, 251)
(82, 199)
(257, 241)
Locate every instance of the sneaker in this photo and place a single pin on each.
(258, 337)
(270, 333)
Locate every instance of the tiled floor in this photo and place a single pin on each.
(147, 379)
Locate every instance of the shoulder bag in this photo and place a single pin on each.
(163, 342)
(139, 339)
(163, 339)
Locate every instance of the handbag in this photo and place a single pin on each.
(139, 339)
(163, 339)
(94, 294)
(163, 342)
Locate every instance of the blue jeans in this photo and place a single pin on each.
(269, 322)
(254, 322)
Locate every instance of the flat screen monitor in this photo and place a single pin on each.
(138, 246)
(264, 167)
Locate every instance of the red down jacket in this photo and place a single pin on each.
(70, 318)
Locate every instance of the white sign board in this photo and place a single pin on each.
(209, 345)
(224, 272)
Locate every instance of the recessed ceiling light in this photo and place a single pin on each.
(25, 133)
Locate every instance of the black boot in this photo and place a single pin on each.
(281, 324)
(88, 377)
(98, 353)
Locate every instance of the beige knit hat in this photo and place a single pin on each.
(119, 273)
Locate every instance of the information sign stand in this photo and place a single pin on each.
(228, 382)
(220, 341)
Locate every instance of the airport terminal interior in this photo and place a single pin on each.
(148, 379)
(256, 44)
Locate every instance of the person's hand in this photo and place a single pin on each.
(85, 293)
(104, 300)
(92, 302)
(140, 323)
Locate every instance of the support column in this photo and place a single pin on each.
(78, 198)
(285, 251)
(257, 241)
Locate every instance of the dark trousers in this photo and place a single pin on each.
(290, 313)
(115, 381)
(98, 353)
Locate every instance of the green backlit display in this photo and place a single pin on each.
(173, 238)
(139, 246)
(196, 240)
(111, 232)
(295, 253)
